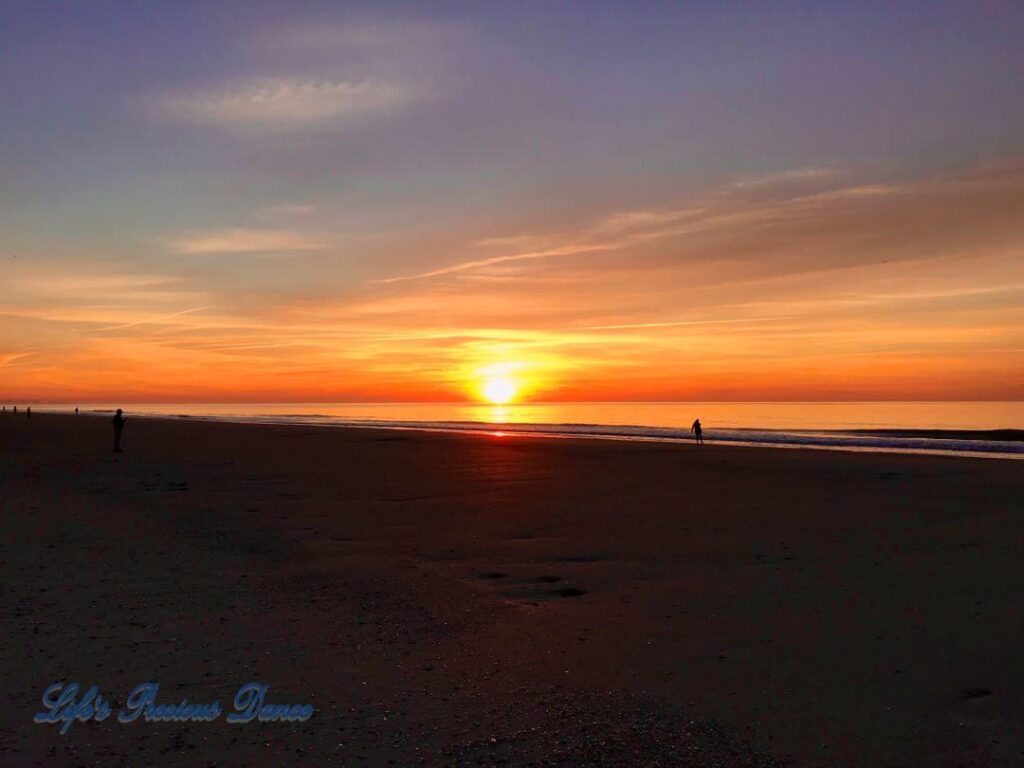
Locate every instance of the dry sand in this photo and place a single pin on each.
(474, 600)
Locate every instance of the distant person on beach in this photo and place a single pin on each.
(76, 410)
(15, 409)
(698, 432)
(119, 421)
(28, 411)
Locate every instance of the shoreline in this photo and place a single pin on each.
(1001, 435)
(981, 444)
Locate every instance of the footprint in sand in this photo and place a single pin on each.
(977, 693)
(534, 593)
(568, 592)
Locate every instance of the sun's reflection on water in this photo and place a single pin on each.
(498, 415)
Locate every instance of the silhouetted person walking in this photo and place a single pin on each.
(119, 421)
(698, 432)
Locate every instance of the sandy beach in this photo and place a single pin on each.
(480, 600)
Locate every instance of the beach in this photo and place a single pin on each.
(476, 599)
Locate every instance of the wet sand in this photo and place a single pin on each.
(475, 600)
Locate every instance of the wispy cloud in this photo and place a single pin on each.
(625, 221)
(796, 230)
(156, 320)
(684, 323)
(565, 250)
(269, 105)
(613, 233)
(788, 177)
(79, 285)
(9, 359)
(239, 240)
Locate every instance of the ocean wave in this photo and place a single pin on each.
(903, 442)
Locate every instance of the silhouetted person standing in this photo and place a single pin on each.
(698, 432)
(28, 411)
(119, 421)
(76, 410)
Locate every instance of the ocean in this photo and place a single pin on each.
(985, 429)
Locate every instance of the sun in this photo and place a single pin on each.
(499, 390)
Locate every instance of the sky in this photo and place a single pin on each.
(302, 201)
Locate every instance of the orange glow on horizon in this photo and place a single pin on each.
(770, 296)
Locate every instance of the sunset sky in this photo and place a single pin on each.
(597, 201)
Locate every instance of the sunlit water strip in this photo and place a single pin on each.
(507, 422)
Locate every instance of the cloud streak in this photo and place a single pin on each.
(242, 240)
(795, 232)
(282, 104)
